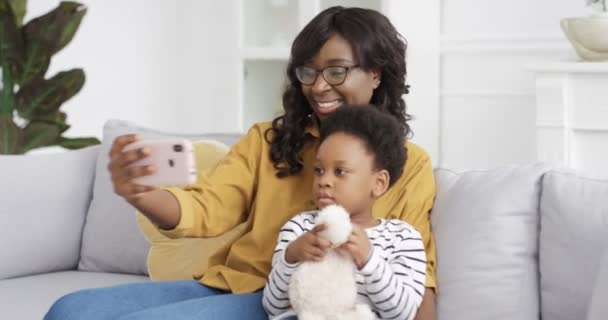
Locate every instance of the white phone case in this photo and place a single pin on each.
(173, 158)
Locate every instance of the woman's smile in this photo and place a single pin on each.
(327, 106)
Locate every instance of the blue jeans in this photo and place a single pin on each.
(178, 300)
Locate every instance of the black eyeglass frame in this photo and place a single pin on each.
(322, 71)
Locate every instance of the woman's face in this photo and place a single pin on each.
(357, 88)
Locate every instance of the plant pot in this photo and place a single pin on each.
(588, 36)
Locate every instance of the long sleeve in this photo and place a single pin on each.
(222, 198)
(395, 286)
(276, 292)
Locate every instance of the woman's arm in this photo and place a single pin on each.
(426, 311)
(221, 199)
(160, 207)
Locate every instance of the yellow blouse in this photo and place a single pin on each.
(244, 187)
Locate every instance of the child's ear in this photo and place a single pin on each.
(381, 182)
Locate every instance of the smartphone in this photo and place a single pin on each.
(173, 159)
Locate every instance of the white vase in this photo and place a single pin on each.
(588, 36)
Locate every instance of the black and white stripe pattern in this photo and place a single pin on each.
(391, 282)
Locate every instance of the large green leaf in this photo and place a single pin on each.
(19, 8)
(43, 97)
(77, 143)
(39, 134)
(71, 16)
(46, 35)
(7, 95)
(10, 136)
(57, 118)
(11, 42)
(37, 61)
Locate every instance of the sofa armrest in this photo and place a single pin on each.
(44, 202)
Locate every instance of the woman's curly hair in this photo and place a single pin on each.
(377, 46)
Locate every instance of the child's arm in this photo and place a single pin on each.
(396, 286)
(276, 298)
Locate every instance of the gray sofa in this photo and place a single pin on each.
(512, 243)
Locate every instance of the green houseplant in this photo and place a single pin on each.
(29, 102)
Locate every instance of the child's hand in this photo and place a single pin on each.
(308, 247)
(358, 246)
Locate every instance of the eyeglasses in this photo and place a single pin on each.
(333, 75)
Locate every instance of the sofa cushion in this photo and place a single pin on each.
(485, 225)
(574, 222)
(44, 201)
(186, 258)
(112, 241)
(31, 297)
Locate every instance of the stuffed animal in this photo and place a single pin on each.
(327, 290)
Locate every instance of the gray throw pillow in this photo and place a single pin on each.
(112, 241)
(44, 203)
(598, 307)
(574, 224)
(485, 225)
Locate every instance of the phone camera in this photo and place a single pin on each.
(178, 148)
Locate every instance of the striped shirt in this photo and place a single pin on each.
(392, 281)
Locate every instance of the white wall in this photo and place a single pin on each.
(487, 113)
(419, 21)
(165, 64)
(174, 65)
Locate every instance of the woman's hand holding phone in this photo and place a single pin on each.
(123, 172)
(160, 206)
(138, 166)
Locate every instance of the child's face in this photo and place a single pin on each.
(345, 174)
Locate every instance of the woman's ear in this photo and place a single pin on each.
(376, 77)
(381, 182)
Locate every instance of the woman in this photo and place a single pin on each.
(343, 56)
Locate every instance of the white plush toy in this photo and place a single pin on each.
(327, 290)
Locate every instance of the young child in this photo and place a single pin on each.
(362, 153)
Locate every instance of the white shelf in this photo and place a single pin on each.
(570, 67)
(269, 22)
(572, 114)
(264, 82)
(261, 53)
